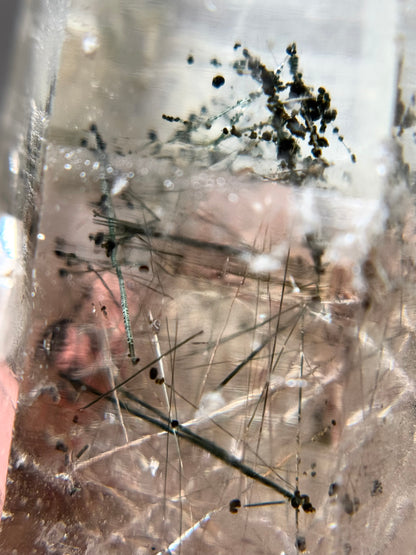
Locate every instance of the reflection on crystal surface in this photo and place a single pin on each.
(222, 327)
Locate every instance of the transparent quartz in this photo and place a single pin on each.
(218, 356)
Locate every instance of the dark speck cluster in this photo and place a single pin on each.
(303, 115)
(288, 117)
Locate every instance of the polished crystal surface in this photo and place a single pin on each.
(221, 325)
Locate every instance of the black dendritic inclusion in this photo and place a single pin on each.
(350, 506)
(300, 115)
(301, 543)
(297, 117)
(377, 488)
(235, 504)
(218, 81)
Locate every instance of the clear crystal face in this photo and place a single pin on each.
(220, 352)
